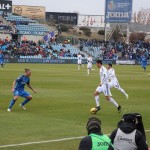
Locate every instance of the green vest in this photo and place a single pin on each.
(100, 142)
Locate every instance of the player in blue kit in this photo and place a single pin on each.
(1, 59)
(18, 90)
(144, 62)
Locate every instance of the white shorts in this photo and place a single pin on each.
(104, 89)
(89, 66)
(79, 62)
(114, 84)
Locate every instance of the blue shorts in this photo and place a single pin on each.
(144, 64)
(21, 93)
(1, 61)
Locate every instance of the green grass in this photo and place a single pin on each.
(62, 105)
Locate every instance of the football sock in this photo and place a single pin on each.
(97, 100)
(25, 102)
(122, 91)
(88, 71)
(12, 102)
(78, 67)
(2, 65)
(114, 102)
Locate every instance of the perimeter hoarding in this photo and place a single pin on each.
(118, 11)
(33, 12)
(65, 18)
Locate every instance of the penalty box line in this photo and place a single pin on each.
(48, 141)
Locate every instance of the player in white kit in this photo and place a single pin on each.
(104, 88)
(80, 61)
(89, 64)
(113, 80)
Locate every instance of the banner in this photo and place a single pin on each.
(31, 32)
(125, 62)
(52, 61)
(91, 20)
(33, 12)
(118, 11)
(6, 6)
(65, 18)
(44, 61)
(138, 62)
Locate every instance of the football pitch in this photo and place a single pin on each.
(56, 117)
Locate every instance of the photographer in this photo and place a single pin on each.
(95, 140)
(126, 136)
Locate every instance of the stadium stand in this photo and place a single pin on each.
(65, 51)
(115, 50)
(5, 27)
(19, 19)
(32, 27)
(106, 51)
(24, 25)
(30, 49)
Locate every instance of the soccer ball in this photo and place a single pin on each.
(93, 110)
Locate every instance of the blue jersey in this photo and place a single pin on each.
(143, 61)
(1, 57)
(21, 82)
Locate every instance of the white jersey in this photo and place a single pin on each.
(104, 75)
(114, 82)
(111, 75)
(113, 79)
(79, 59)
(104, 88)
(89, 62)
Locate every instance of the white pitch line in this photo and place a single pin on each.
(49, 141)
(147, 130)
(41, 142)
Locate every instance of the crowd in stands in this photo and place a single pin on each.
(98, 49)
(117, 50)
(24, 48)
(107, 50)
(15, 49)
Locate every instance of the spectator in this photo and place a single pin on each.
(126, 136)
(111, 49)
(95, 140)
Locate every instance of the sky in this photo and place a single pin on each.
(90, 7)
